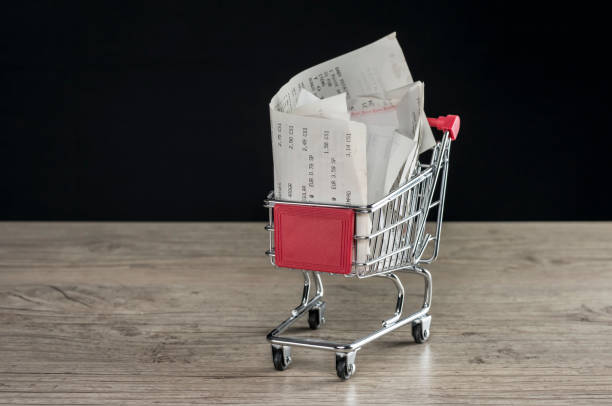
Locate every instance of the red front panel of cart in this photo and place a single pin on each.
(313, 238)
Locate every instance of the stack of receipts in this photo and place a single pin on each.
(349, 130)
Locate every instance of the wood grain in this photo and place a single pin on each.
(176, 313)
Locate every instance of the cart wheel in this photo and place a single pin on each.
(344, 369)
(419, 334)
(316, 316)
(281, 356)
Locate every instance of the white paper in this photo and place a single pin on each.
(411, 115)
(318, 155)
(373, 70)
(333, 107)
(403, 154)
(320, 160)
(346, 131)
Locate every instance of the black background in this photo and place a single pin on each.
(147, 111)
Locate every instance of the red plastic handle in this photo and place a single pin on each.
(450, 123)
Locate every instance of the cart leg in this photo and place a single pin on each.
(305, 293)
(420, 327)
(319, 283)
(316, 315)
(428, 286)
(400, 299)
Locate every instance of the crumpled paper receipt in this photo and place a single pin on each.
(349, 130)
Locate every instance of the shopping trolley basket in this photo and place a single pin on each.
(380, 239)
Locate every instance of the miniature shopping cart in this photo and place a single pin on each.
(380, 239)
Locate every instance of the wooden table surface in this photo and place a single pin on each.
(177, 313)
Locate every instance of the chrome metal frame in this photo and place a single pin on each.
(396, 243)
(388, 325)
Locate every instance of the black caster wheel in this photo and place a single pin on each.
(316, 316)
(281, 356)
(344, 368)
(419, 334)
